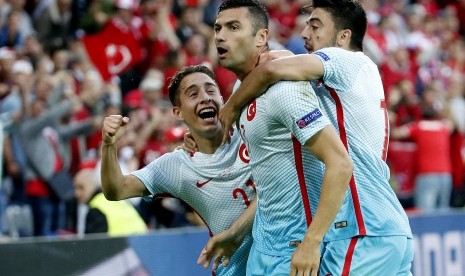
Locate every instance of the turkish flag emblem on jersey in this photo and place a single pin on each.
(112, 51)
(251, 110)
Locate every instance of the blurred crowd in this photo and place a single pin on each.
(65, 64)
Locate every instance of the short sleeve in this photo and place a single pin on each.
(162, 176)
(295, 105)
(339, 66)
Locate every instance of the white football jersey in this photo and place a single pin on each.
(217, 186)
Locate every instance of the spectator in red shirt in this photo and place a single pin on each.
(149, 92)
(404, 103)
(433, 183)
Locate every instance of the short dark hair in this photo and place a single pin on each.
(258, 12)
(173, 87)
(347, 14)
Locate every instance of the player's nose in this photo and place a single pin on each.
(220, 35)
(205, 96)
(305, 33)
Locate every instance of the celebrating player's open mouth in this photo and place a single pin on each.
(221, 52)
(208, 114)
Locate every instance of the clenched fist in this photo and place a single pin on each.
(113, 128)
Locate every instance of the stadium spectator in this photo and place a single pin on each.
(404, 103)
(433, 183)
(46, 141)
(295, 42)
(459, 5)
(10, 34)
(116, 218)
(53, 24)
(24, 21)
(395, 68)
(12, 111)
(456, 102)
(159, 15)
(191, 22)
(149, 92)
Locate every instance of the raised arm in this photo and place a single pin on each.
(298, 67)
(115, 185)
(327, 147)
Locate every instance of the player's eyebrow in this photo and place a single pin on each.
(228, 23)
(208, 83)
(314, 19)
(195, 86)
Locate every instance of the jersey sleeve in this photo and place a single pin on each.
(339, 65)
(295, 105)
(236, 86)
(162, 176)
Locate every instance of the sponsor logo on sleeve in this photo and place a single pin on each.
(309, 118)
(322, 55)
(340, 224)
(294, 243)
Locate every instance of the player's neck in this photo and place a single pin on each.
(251, 64)
(241, 74)
(209, 145)
(244, 73)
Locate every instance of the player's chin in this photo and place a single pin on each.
(208, 124)
(225, 62)
(211, 130)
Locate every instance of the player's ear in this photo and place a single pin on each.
(343, 38)
(178, 113)
(262, 37)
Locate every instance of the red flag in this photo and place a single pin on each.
(112, 51)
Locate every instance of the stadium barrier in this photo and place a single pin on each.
(439, 244)
(439, 250)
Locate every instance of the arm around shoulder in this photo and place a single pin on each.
(304, 67)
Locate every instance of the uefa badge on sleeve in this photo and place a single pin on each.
(309, 118)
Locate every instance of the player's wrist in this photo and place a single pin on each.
(108, 144)
(233, 104)
(237, 233)
(313, 238)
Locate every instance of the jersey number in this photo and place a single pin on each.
(243, 194)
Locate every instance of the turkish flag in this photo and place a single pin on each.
(112, 51)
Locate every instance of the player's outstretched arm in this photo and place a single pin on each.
(227, 242)
(326, 146)
(115, 185)
(293, 68)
